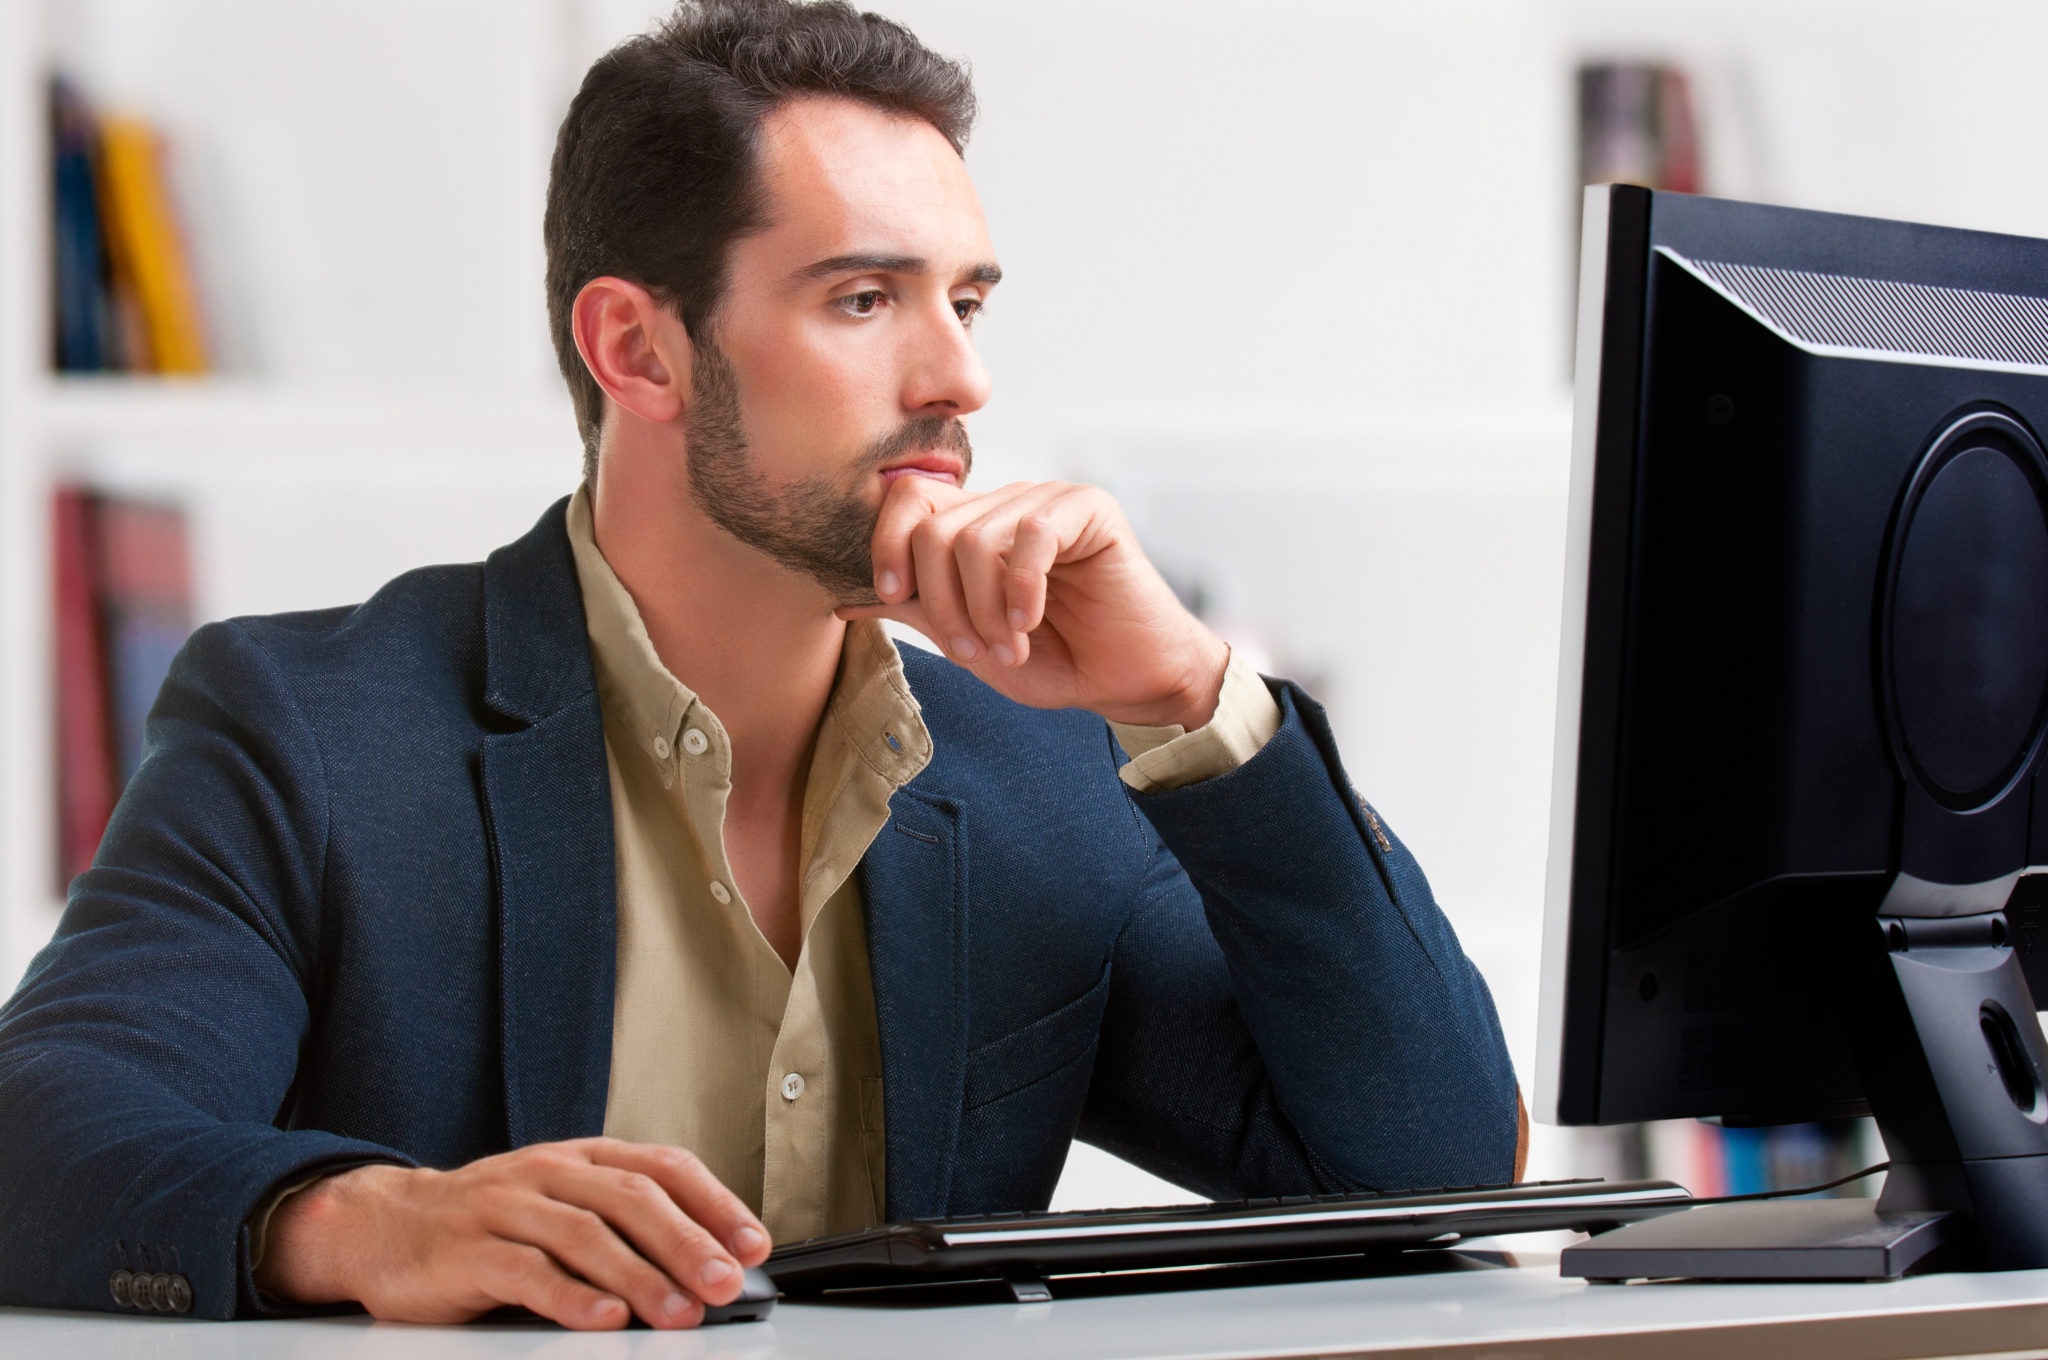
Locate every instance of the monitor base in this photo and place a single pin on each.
(1825, 1239)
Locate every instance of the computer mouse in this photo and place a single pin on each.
(755, 1302)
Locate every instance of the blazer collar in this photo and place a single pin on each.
(547, 801)
(536, 647)
(914, 886)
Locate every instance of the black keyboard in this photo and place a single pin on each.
(1025, 1249)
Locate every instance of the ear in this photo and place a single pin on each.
(636, 348)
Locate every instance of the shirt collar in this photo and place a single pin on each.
(871, 699)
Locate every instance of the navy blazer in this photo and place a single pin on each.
(358, 904)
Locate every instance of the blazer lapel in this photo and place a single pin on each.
(913, 883)
(547, 801)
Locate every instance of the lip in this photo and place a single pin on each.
(941, 467)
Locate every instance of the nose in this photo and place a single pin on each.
(944, 375)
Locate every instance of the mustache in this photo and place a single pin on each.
(937, 433)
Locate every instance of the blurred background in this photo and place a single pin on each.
(1294, 279)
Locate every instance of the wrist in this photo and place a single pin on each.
(1192, 701)
(308, 1251)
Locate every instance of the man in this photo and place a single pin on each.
(558, 931)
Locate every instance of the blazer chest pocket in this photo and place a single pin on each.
(1027, 1056)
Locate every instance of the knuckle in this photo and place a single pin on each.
(585, 1229)
(547, 1157)
(687, 1242)
(524, 1264)
(646, 1190)
(566, 1296)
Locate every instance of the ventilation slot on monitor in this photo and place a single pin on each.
(1882, 319)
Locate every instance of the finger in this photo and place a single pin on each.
(942, 545)
(909, 500)
(1032, 554)
(525, 1275)
(940, 591)
(983, 550)
(701, 1196)
(639, 1208)
(582, 1241)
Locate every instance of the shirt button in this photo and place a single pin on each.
(718, 891)
(792, 1086)
(695, 742)
(661, 748)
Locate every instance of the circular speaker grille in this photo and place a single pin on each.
(1966, 647)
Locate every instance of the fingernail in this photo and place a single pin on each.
(604, 1310)
(714, 1270)
(965, 648)
(746, 1240)
(1017, 619)
(888, 584)
(1005, 655)
(674, 1306)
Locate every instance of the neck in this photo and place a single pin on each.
(755, 641)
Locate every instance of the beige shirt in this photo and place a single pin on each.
(774, 1077)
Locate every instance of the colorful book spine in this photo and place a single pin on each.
(1638, 125)
(145, 610)
(123, 609)
(85, 750)
(148, 247)
(1711, 1161)
(82, 340)
(124, 290)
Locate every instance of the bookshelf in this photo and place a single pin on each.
(26, 826)
(413, 449)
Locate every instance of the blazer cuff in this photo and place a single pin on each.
(258, 1223)
(1172, 757)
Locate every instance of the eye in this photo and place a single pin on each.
(968, 308)
(864, 303)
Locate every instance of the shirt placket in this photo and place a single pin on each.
(795, 1179)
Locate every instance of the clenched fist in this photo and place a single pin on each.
(1041, 590)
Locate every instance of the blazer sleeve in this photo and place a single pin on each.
(150, 1051)
(1289, 1010)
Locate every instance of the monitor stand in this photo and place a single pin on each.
(1951, 1057)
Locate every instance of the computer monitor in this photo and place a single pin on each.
(1802, 701)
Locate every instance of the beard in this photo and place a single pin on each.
(818, 526)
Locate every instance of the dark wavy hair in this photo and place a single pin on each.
(655, 172)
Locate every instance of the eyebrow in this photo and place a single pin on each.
(892, 264)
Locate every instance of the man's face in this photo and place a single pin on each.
(841, 355)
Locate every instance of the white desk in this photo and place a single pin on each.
(1501, 1314)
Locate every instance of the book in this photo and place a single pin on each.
(123, 608)
(1638, 125)
(147, 247)
(124, 293)
(145, 583)
(83, 342)
(85, 751)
